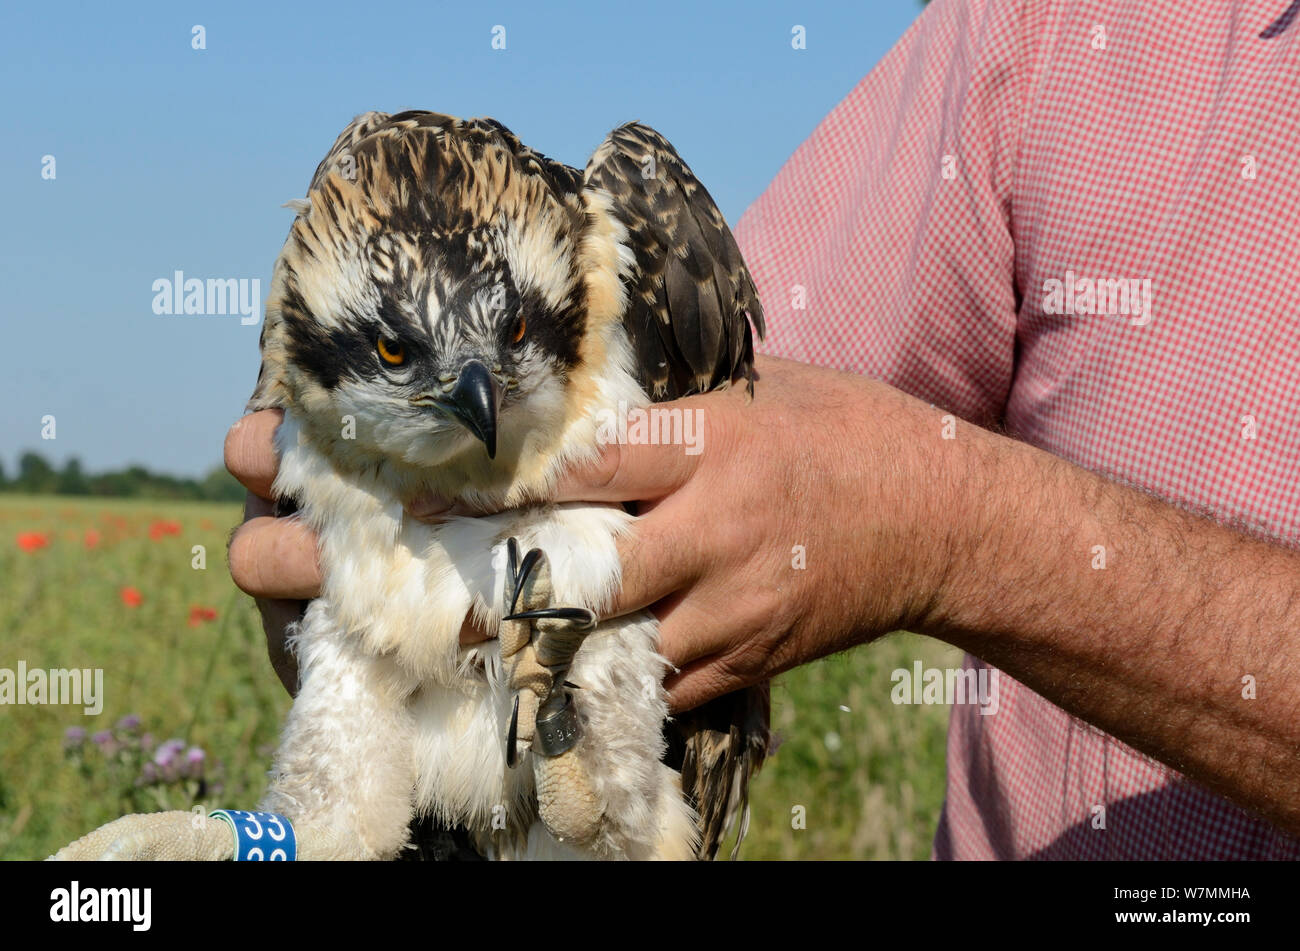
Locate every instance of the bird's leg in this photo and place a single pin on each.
(538, 643)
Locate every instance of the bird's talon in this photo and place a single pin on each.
(519, 572)
(512, 737)
(585, 619)
(512, 557)
(539, 642)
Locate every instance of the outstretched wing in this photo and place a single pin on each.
(690, 297)
(690, 303)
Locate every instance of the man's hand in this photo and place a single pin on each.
(272, 559)
(792, 533)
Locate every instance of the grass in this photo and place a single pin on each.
(866, 780)
(868, 774)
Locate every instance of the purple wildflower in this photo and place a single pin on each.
(129, 722)
(167, 753)
(106, 742)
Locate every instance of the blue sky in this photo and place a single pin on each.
(169, 158)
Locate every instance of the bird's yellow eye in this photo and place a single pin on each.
(519, 331)
(391, 352)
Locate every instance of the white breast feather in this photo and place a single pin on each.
(400, 588)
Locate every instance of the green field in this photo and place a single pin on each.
(868, 779)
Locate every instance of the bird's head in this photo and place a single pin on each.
(433, 347)
(428, 308)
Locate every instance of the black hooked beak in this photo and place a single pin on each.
(475, 401)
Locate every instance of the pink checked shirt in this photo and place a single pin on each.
(965, 224)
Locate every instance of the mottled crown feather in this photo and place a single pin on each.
(401, 201)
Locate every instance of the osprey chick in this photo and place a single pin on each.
(454, 314)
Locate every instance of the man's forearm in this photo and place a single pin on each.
(1173, 633)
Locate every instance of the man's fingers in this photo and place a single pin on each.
(672, 437)
(695, 684)
(632, 472)
(277, 615)
(275, 558)
(658, 557)
(256, 506)
(686, 634)
(250, 450)
(688, 639)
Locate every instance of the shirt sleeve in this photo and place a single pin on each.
(884, 245)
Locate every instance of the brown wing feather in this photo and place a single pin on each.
(690, 303)
(723, 743)
(691, 298)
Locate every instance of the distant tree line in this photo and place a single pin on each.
(37, 477)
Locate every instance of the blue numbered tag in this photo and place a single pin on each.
(259, 836)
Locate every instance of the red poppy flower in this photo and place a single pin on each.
(160, 527)
(132, 597)
(92, 538)
(32, 541)
(200, 614)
